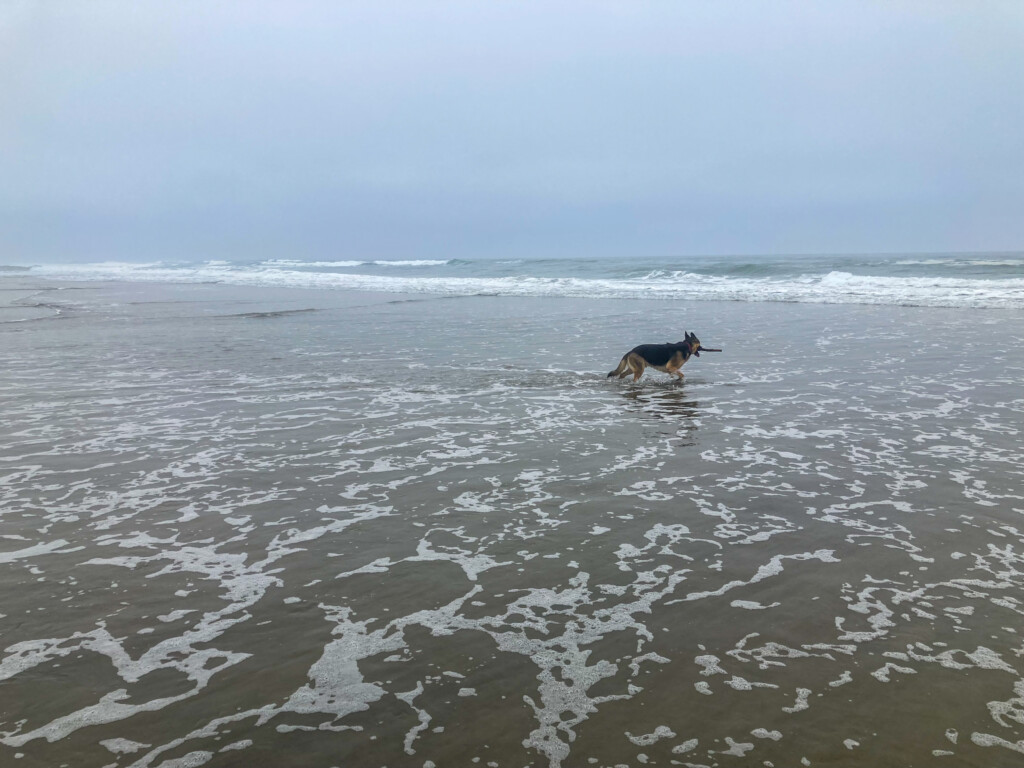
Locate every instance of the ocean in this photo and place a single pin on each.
(957, 280)
(315, 515)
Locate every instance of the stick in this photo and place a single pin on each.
(707, 349)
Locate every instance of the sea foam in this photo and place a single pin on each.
(408, 276)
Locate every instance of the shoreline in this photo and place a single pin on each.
(14, 290)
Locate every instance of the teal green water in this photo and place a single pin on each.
(933, 280)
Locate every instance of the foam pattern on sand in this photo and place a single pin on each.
(511, 566)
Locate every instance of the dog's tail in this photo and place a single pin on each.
(623, 365)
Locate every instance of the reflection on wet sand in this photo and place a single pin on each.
(671, 403)
(666, 403)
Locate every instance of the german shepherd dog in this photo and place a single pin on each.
(661, 357)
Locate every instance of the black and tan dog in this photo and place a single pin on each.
(661, 357)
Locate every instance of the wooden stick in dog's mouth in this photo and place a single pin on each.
(707, 349)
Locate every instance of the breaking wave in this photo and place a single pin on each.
(618, 280)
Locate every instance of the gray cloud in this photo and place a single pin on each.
(229, 130)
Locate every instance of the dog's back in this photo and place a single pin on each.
(659, 354)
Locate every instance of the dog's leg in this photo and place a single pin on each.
(675, 365)
(637, 365)
(629, 366)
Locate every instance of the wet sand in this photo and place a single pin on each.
(246, 526)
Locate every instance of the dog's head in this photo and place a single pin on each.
(694, 343)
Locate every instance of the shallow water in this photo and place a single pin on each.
(412, 530)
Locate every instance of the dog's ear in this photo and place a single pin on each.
(687, 336)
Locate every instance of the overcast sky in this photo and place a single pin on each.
(192, 130)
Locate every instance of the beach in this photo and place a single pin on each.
(255, 525)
